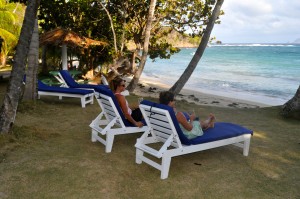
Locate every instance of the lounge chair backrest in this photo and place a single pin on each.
(104, 80)
(68, 79)
(109, 101)
(73, 84)
(162, 119)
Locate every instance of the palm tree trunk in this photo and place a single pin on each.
(132, 85)
(30, 92)
(292, 107)
(11, 99)
(176, 88)
(1, 40)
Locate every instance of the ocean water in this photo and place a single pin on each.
(263, 73)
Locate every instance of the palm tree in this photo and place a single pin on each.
(11, 99)
(138, 73)
(176, 88)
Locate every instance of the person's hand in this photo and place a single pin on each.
(134, 106)
(139, 124)
(192, 116)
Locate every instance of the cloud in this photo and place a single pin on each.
(262, 21)
(249, 8)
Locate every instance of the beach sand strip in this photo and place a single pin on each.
(148, 88)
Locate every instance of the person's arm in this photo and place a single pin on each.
(122, 101)
(183, 121)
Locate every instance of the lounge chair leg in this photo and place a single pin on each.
(246, 147)
(166, 161)
(139, 153)
(94, 133)
(92, 99)
(83, 102)
(109, 143)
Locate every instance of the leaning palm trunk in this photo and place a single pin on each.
(138, 73)
(1, 40)
(176, 88)
(30, 92)
(11, 99)
(292, 107)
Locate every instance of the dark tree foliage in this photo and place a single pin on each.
(82, 17)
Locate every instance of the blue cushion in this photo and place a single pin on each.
(73, 84)
(221, 130)
(44, 87)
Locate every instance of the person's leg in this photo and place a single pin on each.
(209, 122)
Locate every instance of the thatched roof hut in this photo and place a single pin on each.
(61, 36)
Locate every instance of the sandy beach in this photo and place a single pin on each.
(148, 88)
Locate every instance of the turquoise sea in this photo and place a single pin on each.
(264, 73)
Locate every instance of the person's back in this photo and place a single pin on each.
(191, 127)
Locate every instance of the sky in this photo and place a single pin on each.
(259, 21)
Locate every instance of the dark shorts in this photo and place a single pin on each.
(137, 115)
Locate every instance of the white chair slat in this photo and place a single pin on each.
(161, 129)
(154, 114)
(109, 109)
(160, 123)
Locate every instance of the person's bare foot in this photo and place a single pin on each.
(212, 121)
(209, 123)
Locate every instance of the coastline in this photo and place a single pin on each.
(148, 88)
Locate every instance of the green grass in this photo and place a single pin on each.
(51, 155)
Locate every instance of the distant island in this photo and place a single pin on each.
(297, 41)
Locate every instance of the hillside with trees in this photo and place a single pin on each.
(176, 39)
(182, 40)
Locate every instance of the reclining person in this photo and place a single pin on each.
(133, 115)
(192, 128)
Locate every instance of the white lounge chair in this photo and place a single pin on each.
(86, 96)
(164, 129)
(110, 121)
(71, 83)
